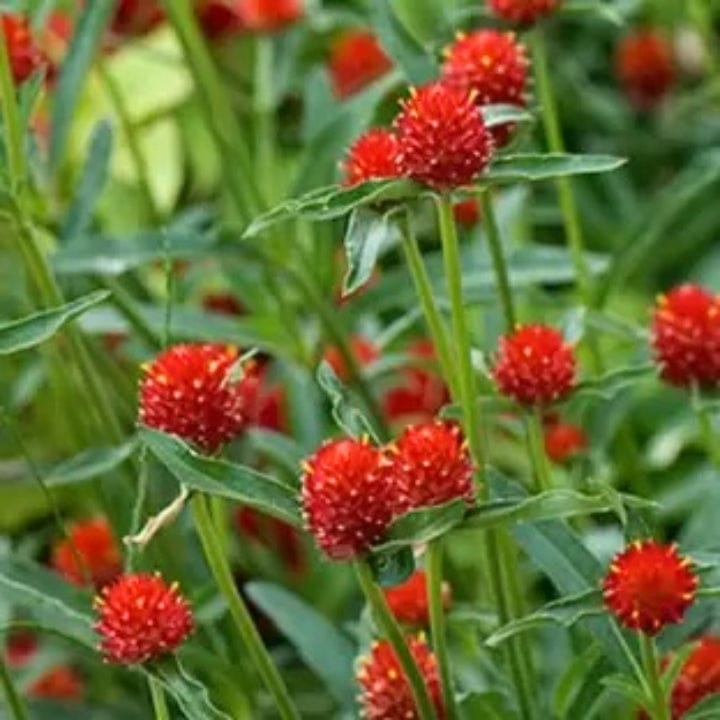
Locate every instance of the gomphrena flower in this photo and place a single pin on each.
(442, 138)
(222, 303)
(60, 683)
(686, 336)
(93, 543)
(467, 212)
(645, 67)
(535, 366)
(373, 156)
(356, 60)
(493, 65)
(25, 56)
(563, 441)
(218, 18)
(20, 647)
(188, 391)
(699, 677)
(523, 11)
(431, 465)
(347, 497)
(386, 693)
(141, 618)
(409, 600)
(649, 585)
(136, 17)
(364, 351)
(270, 15)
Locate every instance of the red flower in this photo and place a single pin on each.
(59, 683)
(270, 15)
(141, 618)
(493, 65)
(467, 212)
(699, 677)
(535, 366)
(264, 401)
(363, 350)
(563, 441)
(409, 601)
(275, 535)
(25, 56)
(442, 139)
(373, 156)
(347, 497)
(94, 544)
(649, 585)
(523, 11)
(136, 17)
(222, 303)
(431, 465)
(357, 59)
(188, 391)
(386, 693)
(686, 336)
(218, 18)
(21, 645)
(645, 67)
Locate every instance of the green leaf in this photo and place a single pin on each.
(533, 168)
(86, 38)
(610, 384)
(392, 567)
(566, 612)
(89, 464)
(625, 687)
(490, 705)
(423, 525)
(33, 330)
(279, 448)
(579, 685)
(367, 233)
(326, 650)
(345, 414)
(499, 114)
(708, 709)
(601, 8)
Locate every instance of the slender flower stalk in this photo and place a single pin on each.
(536, 446)
(709, 438)
(659, 709)
(17, 708)
(157, 694)
(264, 120)
(238, 610)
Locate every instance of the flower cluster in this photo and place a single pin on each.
(409, 600)
(645, 67)
(356, 60)
(24, 54)
(525, 12)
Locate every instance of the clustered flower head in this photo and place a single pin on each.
(270, 15)
(24, 54)
(90, 552)
(649, 585)
(136, 17)
(373, 156)
(141, 618)
(60, 683)
(686, 336)
(385, 690)
(699, 677)
(524, 12)
(535, 366)
(563, 441)
(189, 391)
(218, 18)
(357, 59)
(409, 600)
(645, 66)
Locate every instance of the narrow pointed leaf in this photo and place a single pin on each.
(89, 464)
(367, 233)
(345, 414)
(533, 168)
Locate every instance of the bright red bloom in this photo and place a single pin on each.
(535, 366)
(386, 693)
(357, 59)
(24, 54)
(442, 138)
(363, 350)
(222, 303)
(218, 18)
(431, 465)
(21, 645)
(493, 65)
(467, 212)
(141, 618)
(409, 600)
(699, 677)
(523, 11)
(686, 336)
(275, 535)
(373, 156)
(94, 544)
(264, 401)
(347, 497)
(136, 17)
(270, 15)
(563, 441)
(60, 683)
(649, 585)
(645, 67)
(188, 391)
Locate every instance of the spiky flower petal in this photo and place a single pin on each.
(645, 67)
(524, 12)
(409, 600)
(373, 156)
(357, 59)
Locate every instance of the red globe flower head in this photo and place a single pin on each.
(493, 65)
(386, 693)
(347, 497)
(141, 618)
(442, 138)
(432, 465)
(356, 60)
(218, 18)
(222, 303)
(90, 553)
(190, 391)
(686, 336)
(363, 350)
(563, 441)
(467, 212)
(263, 400)
(649, 585)
(270, 15)
(409, 600)
(20, 647)
(645, 67)
(275, 535)
(535, 366)
(136, 17)
(25, 56)
(373, 156)
(524, 12)
(60, 683)
(699, 677)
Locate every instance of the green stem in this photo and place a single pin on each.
(128, 308)
(659, 708)
(498, 261)
(238, 610)
(141, 493)
(712, 443)
(158, 700)
(536, 445)
(391, 630)
(13, 130)
(264, 103)
(12, 697)
(434, 569)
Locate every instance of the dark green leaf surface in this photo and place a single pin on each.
(367, 233)
(345, 414)
(89, 464)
